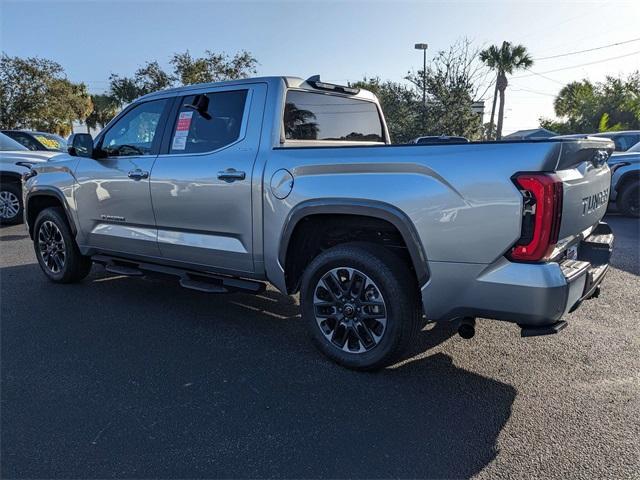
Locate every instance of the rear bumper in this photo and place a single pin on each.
(531, 295)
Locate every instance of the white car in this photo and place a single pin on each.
(15, 159)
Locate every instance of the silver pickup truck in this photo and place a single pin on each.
(295, 182)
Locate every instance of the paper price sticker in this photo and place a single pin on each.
(182, 131)
(184, 121)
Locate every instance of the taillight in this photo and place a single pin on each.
(541, 215)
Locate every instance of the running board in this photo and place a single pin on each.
(200, 286)
(193, 280)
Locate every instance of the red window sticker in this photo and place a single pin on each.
(182, 131)
(184, 121)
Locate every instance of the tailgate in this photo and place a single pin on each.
(586, 180)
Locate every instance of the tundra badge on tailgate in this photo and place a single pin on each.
(595, 201)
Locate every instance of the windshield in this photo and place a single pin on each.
(51, 141)
(635, 148)
(9, 145)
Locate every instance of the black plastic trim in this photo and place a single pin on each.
(11, 176)
(194, 279)
(367, 208)
(543, 330)
(49, 192)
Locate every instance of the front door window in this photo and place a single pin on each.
(134, 133)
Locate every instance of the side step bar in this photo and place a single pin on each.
(200, 286)
(200, 281)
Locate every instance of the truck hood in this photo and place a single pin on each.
(633, 157)
(27, 156)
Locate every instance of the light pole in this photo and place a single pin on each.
(423, 47)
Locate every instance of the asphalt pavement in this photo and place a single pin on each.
(138, 378)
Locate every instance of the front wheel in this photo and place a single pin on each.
(361, 304)
(56, 249)
(10, 204)
(628, 200)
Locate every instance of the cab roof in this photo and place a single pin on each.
(289, 82)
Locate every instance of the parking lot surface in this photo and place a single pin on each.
(122, 377)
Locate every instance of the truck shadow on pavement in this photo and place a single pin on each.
(119, 377)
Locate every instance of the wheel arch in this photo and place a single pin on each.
(627, 178)
(357, 208)
(44, 197)
(11, 177)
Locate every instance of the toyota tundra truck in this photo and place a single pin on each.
(227, 186)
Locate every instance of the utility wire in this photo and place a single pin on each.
(541, 76)
(576, 66)
(518, 89)
(588, 50)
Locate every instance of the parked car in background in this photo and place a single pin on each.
(38, 140)
(625, 181)
(623, 140)
(439, 140)
(15, 159)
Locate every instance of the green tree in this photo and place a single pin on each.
(212, 67)
(454, 78)
(148, 78)
(35, 94)
(586, 107)
(401, 105)
(123, 89)
(453, 81)
(504, 60)
(105, 107)
(187, 70)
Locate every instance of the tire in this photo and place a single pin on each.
(387, 290)
(52, 239)
(10, 204)
(628, 201)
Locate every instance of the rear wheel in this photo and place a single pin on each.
(361, 305)
(56, 249)
(10, 204)
(628, 200)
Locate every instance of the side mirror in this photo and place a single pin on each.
(201, 105)
(80, 145)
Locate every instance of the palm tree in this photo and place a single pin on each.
(504, 60)
(105, 107)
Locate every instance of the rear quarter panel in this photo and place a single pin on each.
(459, 198)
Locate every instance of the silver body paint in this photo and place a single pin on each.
(457, 203)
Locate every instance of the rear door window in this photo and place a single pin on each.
(208, 122)
(318, 116)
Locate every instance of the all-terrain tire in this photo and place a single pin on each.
(56, 249)
(628, 200)
(387, 274)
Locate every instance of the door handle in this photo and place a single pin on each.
(231, 175)
(138, 174)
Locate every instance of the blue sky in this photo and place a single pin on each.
(343, 41)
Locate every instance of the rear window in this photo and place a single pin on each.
(51, 142)
(317, 116)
